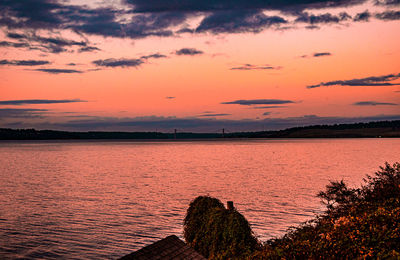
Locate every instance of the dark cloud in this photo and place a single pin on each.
(118, 62)
(387, 2)
(362, 17)
(17, 36)
(327, 18)
(153, 56)
(29, 13)
(105, 22)
(123, 62)
(388, 15)
(317, 54)
(255, 67)
(185, 30)
(82, 116)
(24, 62)
(268, 107)
(238, 22)
(320, 54)
(100, 21)
(212, 115)
(88, 49)
(14, 44)
(47, 44)
(53, 15)
(39, 101)
(95, 69)
(145, 18)
(59, 71)
(266, 113)
(250, 102)
(373, 103)
(188, 51)
(22, 113)
(312, 27)
(370, 81)
(170, 97)
(56, 41)
(211, 5)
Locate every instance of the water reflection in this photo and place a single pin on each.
(106, 199)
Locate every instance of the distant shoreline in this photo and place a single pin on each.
(200, 140)
(380, 129)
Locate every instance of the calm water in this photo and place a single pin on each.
(107, 199)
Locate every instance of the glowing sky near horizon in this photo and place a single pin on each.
(128, 65)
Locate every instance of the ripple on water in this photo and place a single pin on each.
(101, 200)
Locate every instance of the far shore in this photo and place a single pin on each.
(380, 129)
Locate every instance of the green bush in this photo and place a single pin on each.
(216, 232)
(359, 223)
(197, 216)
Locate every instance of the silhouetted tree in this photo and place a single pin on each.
(216, 232)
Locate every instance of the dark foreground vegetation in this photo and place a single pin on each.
(216, 232)
(358, 130)
(359, 223)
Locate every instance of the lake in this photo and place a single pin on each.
(104, 199)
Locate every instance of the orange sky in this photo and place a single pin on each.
(200, 83)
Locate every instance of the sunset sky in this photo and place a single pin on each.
(154, 65)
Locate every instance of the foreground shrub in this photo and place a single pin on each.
(197, 215)
(359, 223)
(216, 232)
